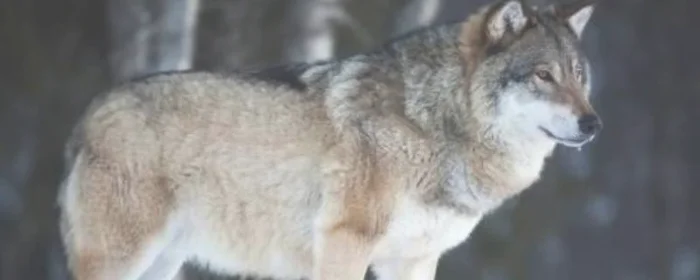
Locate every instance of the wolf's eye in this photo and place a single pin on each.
(578, 72)
(544, 75)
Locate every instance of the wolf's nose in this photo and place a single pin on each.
(589, 124)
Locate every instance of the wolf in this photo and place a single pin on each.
(380, 161)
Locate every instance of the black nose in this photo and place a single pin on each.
(589, 124)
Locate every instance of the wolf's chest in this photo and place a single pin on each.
(417, 230)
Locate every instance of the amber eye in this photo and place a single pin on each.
(578, 72)
(544, 75)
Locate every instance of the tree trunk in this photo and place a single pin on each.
(416, 14)
(150, 36)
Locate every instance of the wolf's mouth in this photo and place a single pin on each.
(570, 142)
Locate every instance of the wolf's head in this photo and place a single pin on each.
(529, 74)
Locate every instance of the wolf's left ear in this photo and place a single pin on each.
(509, 17)
(578, 16)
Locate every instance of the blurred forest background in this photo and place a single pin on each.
(626, 207)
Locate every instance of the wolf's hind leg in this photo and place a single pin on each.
(116, 222)
(100, 265)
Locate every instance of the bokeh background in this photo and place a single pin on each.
(626, 207)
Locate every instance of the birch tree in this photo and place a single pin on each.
(150, 36)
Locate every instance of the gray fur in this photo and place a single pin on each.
(388, 158)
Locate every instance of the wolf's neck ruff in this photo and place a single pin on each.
(491, 159)
(500, 159)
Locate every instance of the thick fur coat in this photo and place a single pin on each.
(385, 159)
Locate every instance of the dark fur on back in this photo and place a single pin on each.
(287, 75)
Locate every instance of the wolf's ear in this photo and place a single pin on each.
(509, 17)
(577, 16)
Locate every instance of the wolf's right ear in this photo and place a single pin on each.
(509, 17)
(579, 19)
(577, 14)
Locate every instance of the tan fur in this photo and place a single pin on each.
(374, 161)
